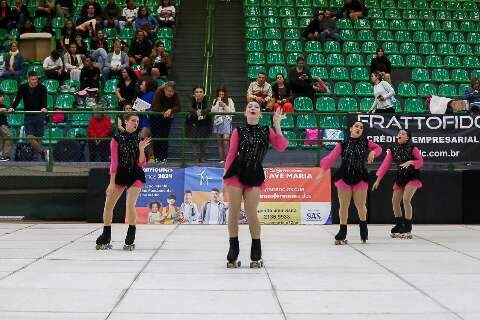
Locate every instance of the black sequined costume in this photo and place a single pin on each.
(252, 148)
(128, 170)
(354, 157)
(402, 153)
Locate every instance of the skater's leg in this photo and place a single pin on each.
(235, 202)
(132, 196)
(110, 202)
(344, 198)
(396, 199)
(252, 196)
(360, 200)
(407, 201)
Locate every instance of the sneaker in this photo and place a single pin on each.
(4, 158)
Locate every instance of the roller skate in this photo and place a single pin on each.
(398, 228)
(130, 238)
(407, 230)
(232, 255)
(256, 254)
(363, 231)
(341, 236)
(103, 242)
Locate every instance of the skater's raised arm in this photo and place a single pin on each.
(372, 146)
(417, 154)
(142, 159)
(233, 149)
(327, 162)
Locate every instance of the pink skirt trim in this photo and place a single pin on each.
(340, 184)
(234, 182)
(137, 184)
(414, 183)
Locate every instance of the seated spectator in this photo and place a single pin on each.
(111, 15)
(166, 14)
(81, 46)
(222, 125)
(145, 69)
(472, 95)
(53, 66)
(300, 80)
(95, 4)
(382, 64)
(68, 35)
(45, 8)
(73, 62)
(90, 75)
(5, 134)
(383, 93)
(145, 23)
(27, 27)
(198, 123)
(139, 48)
(261, 91)
(353, 9)
(99, 49)
(160, 59)
(328, 28)
(155, 75)
(129, 14)
(99, 126)
(64, 8)
(127, 88)
(87, 22)
(20, 14)
(5, 15)
(282, 95)
(116, 61)
(13, 63)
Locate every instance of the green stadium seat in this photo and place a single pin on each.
(292, 58)
(355, 60)
(293, 46)
(473, 38)
(454, 6)
(456, 37)
(432, 25)
(460, 76)
(369, 47)
(269, 3)
(9, 86)
(362, 24)
(398, 25)
(384, 35)
(273, 34)
(452, 62)
(52, 135)
(347, 105)
(390, 48)
(414, 61)
(315, 59)
(427, 89)
(58, 23)
(433, 61)
(392, 14)
(380, 24)
(462, 88)
(304, 22)
(285, 3)
(254, 33)
(271, 22)
(275, 58)
(366, 104)
(443, 15)
(306, 121)
(266, 120)
(255, 45)
(364, 89)
(80, 119)
(464, 50)
(320, 72)
(351, 47)
(303, 3)
(397, 61)
(15, 119)
(329, 122)
(255, 58)
(445, 49)
(477, 50)
(313, 46)
(414, 106)
(320, 3)
(348, 35)
(335, 59)
(470, 6)
(127, 34)
(344, 24)
(343, 89)
(111, 100)
(375, 13)
(420, 75)
(468, 26)
(339, 74)
(65, 101)
(270, 12)
(274, 46)
(110, 86)
(387, 4)
(292, 139)
(407, 90)
(447, 90)
(250, 22)
(40, 23)
(440, 75)
(75, 84)
(305, 12)
(51, 85)
(365, 35)
(287, 12)
(427, 49)
(402, 36)
(421, 37)
(415, 25)
(409, 14)
(360, 74)
(292, 34)
(439, 37)
(303, 104)
(163, 33)
(450, 26)
(76, 133)
(420, 4)
(252, 11)
(325, 104)
(471, 62)
(372, 3)
(289, 23)
(331, 47)
(408, 48)
(274, 70)
(287, 122)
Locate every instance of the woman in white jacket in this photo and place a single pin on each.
(73, 62)
(222, 125)
(384, 94)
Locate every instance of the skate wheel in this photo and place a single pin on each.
(103, 246)
(256, 264)
(130, 247)
(234, 265)
(341, 242)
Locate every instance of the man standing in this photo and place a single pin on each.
(214, 211)
(189, 209)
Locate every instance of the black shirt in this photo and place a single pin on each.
(34, 99)
(381, 64)
(140, 48)
(129, 93)
(3, 116)
(89, 77)
(299, 85)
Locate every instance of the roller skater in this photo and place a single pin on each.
(351, 179)
(244, 176)
(126, 172)
(408, 160)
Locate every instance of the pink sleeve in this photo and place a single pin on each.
(372, 146)
(418, 162)
(233, 150)
(143, 163)
(330, 159)
(387, 162)
(278, 141)
(113, 156)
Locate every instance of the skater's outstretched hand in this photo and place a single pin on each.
(277, 117)
(371, 157)
(376, 184)
(319, 178)
(144, 143)
(406, 164)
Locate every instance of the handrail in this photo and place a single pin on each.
(208, 49)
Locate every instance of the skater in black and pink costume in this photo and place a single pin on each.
(126, 172)
(244, 177)
(408, 160)
(351, 179)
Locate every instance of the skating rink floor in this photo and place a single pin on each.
(52, 271)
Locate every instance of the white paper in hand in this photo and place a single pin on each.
(141, 105)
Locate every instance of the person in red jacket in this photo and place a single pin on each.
(99, 127)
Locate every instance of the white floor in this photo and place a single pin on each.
(52, 271)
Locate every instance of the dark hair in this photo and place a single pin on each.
(409, 134)
(351, 124)
(158, 43)
(225, 95)
(130, 115)
(261, 72)
(131, 74)
(150, 205)
(32, 74)
(2, 94)
(138, 32)
(380, 49)
(198, 87)
(150, 85)
(55, 55)
(188, 191)
(215, 189)
(378, 74)
(280, 74)
(139, 14)
(299, 58)
(91, 5)
(169, 2)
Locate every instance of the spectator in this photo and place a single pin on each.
(87, 22)
(145, 23)
(472, 95)
(328, 29)
(96, 5)
(382, 64)
(81, 46)
(222, 125)
(139, 48)
(34, 96)
(384, 94)
(282, 95)
(214, 211)
(5, 134)
(166, 102)
(13, 63)
(127, 108)
(155, 75)
(73, 62)
(160, 59)
(90, 75)
(189, 209)
(127, 87)
(129, 14)
(300, 80)
(166, 14)
(145, 68)
(20, 14)
(6, 21)
(68, 35)
(2, 65)
(53, 66)
(353, 9)
(45, 8)
(147, 92)
(64, 8)
(99, 127)
(99, 49)
(111, 15)
(116, 62)
(198, 123)
(261, 92)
